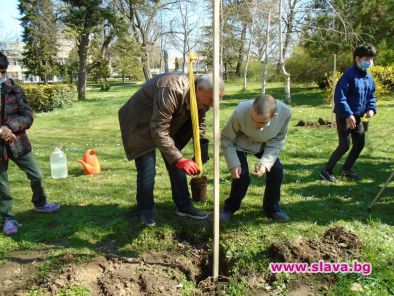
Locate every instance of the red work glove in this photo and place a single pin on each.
(188, 166)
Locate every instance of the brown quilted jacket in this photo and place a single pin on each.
(158, 115)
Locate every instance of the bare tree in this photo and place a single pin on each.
(188, 24)
(142, 17)
(320, 22)
(261, 46)
(292, 16)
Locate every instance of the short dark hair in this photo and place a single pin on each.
(3, 62)
(364, 50)
(264, 105)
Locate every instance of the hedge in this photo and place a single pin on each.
(383, 77)
(47, 97)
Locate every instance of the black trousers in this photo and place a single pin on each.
(239, 187)
(357, 137)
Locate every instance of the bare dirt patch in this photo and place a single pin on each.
(20, 270)
(154, 273)
(167, 272)
(321, 122)
(296, 285)
(334, 244)
(115, 276)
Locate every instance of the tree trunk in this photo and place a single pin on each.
(184, 61)
(241, 51)
(82, 69)
(248, 55)
(281, 58)
(225, 71)
(265, 68)
(145, 65)
(166, 68)
(289, 26)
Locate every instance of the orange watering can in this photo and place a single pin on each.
(90, 162)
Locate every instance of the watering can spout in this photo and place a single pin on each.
(90, 162)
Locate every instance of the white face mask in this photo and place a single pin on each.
(268, 124)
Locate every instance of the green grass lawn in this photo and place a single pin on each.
(99, 212)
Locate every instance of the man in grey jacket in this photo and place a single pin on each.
(158, 116)
(256, 127)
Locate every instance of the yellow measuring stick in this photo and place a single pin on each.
(194, 114)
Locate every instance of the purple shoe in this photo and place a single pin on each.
(47, 208)
(10, 226)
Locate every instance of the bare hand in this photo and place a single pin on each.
(369, 114)
(236, 172)
(351, 122)
(7, 135)
(259, 170)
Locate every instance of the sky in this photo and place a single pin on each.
(10, 29)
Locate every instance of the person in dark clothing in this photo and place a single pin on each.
(354, 97)
(16, 118)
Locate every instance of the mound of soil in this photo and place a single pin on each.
(319, 123)
(335, 243)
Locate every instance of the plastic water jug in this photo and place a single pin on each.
(58, 161)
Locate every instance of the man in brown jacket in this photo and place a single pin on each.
(158, 115)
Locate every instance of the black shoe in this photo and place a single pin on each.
(225, 216)
(192, 212)
(148, 219)
(350, 175)
(278, 215)
(326, 176)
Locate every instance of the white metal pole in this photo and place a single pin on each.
(216, 136)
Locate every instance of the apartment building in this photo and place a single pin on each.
(16, 70)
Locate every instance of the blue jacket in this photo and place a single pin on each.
(354, 93)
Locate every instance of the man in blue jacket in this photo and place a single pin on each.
(354, 97)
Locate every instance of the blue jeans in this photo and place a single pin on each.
(240, 186)
(146, 172)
